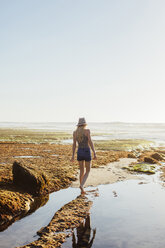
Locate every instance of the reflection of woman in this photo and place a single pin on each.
(83, 235)
(83, 138)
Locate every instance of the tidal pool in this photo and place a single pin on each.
(25, 230)
(99, 137)
(125, 215)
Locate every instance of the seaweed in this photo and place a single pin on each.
(142, 167)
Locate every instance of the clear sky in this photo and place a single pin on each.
(65, 59)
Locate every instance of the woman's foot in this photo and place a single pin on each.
(82, 190)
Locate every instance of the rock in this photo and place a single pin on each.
(150, 160)
(142, 167)
(132, 155)
(12, 205)
(157, 156)
(29, 179)
(65, 220)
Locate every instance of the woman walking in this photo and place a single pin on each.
(82, 136)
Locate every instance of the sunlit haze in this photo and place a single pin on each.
(102, 59)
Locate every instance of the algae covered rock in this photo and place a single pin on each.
(142, 167)
(29, 179)
(12, 205)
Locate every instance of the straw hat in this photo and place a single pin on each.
(82, 122)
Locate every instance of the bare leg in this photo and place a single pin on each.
(88, 167)
(81, 164)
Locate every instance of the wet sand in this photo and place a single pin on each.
(111, 173)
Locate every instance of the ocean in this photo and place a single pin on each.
(104, 130)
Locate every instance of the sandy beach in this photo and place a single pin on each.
(110, 173)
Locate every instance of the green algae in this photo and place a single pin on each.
(142, 167)
(37, 136)
(32, 136)
(123, 144)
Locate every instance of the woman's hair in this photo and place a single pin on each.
(80, 132)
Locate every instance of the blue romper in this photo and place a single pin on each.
(83, 152)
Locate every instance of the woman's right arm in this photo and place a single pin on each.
(73, 146)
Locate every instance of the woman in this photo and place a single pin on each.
(83, 138)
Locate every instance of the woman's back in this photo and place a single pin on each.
(81, 136)
(83, 142)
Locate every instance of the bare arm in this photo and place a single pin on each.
(91, 144)
(73, 146)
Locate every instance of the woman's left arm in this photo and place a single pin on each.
(91, 144)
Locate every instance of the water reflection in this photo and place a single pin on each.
(83, 233)
(24, 231)
(37, 203)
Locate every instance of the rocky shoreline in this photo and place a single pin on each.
(68, 217)
(51, 159)
(54, 161)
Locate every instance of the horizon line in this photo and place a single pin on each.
(125, 122)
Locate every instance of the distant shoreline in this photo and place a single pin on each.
(103, 131)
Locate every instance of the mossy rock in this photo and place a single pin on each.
(29, 179)
(12, 205)
(142, 167)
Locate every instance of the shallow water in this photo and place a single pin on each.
(95, 138)
(126, 214)
(24, 231)
(114, 130)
